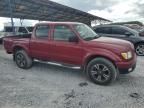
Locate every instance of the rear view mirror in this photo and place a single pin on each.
(73, 39)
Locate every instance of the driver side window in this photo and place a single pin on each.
(62, 33)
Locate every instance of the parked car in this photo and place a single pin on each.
(122, 32)
(18, 29)
(1, 37)
(134, 26)
(73, 43)
(141, 32)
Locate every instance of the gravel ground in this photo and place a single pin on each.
(49, 86)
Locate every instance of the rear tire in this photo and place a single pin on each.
(102, 71)
(22, 59)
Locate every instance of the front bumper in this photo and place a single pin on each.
(126, 71)
(126, 67)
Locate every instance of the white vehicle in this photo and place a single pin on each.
(18, 30)
(9, 31)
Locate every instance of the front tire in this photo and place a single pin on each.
(140, 49)
(101, 71)
(22, 59)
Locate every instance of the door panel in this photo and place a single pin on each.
(40, 45)
(63, 50)
(40, 49)
(68, 52)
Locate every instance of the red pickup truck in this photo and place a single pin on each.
(77, 44)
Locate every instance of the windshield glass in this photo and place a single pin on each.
(85, 32)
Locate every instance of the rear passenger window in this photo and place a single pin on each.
(104, 30)
(42, 31)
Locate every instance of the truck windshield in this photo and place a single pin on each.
(85, 32)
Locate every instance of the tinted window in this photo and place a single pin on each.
(30, 29)
(8, 29)
(42, 31)
(22, 30)
(104, 30)
(62, 33)
(120, 31)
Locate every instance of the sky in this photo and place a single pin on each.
(114, 10)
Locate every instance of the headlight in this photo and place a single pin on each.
(127, 55)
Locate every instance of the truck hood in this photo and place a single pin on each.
(113, 44)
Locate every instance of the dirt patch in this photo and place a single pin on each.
(135, 95)
(70, 95)
(83, 84)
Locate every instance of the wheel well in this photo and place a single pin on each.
(97, 56)
(17, 48)
(138, 43)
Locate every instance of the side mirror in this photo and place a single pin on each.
(73, 39)
(128, 34)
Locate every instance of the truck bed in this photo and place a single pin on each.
(19, 36)
(9, 41)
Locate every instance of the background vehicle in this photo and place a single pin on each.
(134, 26)
(141, 33)
(74, 43)
(18, 30)
(122, 32)
(2, 34)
